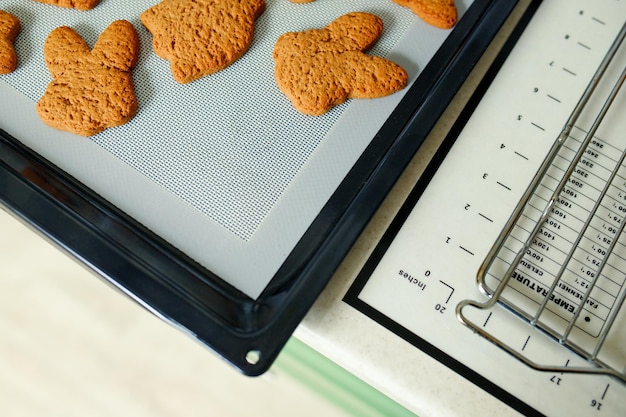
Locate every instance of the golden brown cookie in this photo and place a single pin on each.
(91, 90)
(9, 29)
(321, 68)
(201, 37)
(439, 13)
(73, 4)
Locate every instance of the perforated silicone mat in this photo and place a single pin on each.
(224, 168)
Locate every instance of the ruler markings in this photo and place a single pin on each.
(503, 185)
(451, 290)
(467, 250)
(521, 155)
(526, 343)
(537, 126)
(487, 320)
(595, 19)
(569, 71)
(485, 217)
(554, 98)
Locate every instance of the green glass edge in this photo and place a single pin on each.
(335, 384)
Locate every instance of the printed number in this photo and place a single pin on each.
(555, 380)
(596, 404)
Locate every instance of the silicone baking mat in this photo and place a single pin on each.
(230, 169)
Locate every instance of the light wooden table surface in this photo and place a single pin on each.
(71, 345)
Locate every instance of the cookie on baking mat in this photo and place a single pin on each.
(73, 4)
(201, 37)
(9, 29)
(321, 68)
(439, 13)
(91, 90)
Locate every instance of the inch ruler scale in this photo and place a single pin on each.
(430, 266)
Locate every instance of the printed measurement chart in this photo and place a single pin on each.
(429, 262)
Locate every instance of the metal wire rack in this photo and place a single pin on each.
(560, 262)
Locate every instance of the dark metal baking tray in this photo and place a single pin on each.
(247, 332)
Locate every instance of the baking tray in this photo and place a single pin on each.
(154, 237)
